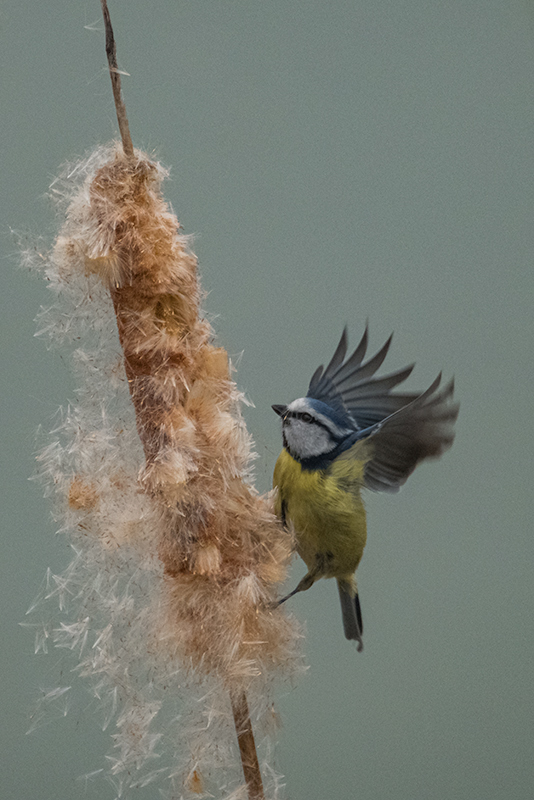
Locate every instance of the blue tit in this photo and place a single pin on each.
(350, 433)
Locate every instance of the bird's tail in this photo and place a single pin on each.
(351, 611)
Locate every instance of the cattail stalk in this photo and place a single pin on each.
(204, 552)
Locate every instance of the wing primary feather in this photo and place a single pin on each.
(321, 386)
(353, 363)
(338, 357)
(316, 377)
(370, 387)
(374, 363)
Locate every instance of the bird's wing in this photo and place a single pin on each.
(401, 429)
(421, 429)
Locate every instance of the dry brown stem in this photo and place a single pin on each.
(247, 747)
(111, 52)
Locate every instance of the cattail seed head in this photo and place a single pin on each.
(177, 557)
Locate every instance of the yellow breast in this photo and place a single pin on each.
(326, 509)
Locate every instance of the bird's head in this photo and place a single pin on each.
(312, 429)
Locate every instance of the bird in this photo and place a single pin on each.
(349, 433)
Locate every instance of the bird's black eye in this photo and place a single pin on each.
(306, 417)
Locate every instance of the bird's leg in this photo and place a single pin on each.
(306, 583)
(308, 580)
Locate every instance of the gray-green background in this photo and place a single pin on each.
(338, 161)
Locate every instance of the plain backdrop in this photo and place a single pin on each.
(338, 162)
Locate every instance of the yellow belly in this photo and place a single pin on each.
(327, 512)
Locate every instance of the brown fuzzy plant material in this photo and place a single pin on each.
(177, 558)
(168, 602)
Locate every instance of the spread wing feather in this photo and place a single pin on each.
(401, 429)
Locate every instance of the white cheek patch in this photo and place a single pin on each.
(307, 440)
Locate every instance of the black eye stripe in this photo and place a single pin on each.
(303, 415)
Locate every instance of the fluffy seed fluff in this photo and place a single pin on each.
(167, 603)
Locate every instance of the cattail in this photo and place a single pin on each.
(170, 597)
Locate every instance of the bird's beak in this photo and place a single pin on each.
(280, 410)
